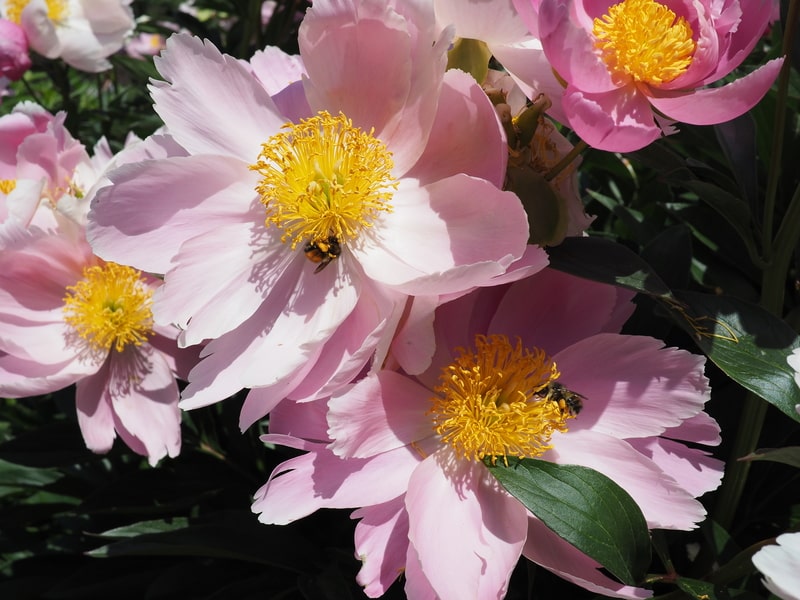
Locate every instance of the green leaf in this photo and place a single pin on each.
(585, 508)
(143, 527)
(747, 342)
(19, 476)
(788, 456)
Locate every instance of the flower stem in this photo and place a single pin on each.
(564, 162)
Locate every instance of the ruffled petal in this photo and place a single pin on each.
(202, 84)
(467, 531)
(381, 412)
(697, 471)
(381, 539)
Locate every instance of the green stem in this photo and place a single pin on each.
(777, 254)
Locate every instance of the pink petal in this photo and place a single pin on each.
(275, 69)
(445, 237)
(697, 471)
(467, 531)
(304, 484)
(618, 121)
(307, 420)
(379, 413)
(128, 221)
(491, 22)
(638, 388)
(381, 540)
(664, 503)
(372, 48)
(417, 585)
(570, 50)
(147, 409)
(550, 551)
(466, 136)
(552, 310)
(202, 84)
(95, 416)
(716, 105)
(414, 343)
(700, 429)
(215, 285)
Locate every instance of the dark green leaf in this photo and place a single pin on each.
(732, 209)
(585, 508)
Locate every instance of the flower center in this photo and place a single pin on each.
(57, 10)
(645, 41)
(323, 182)
(110, 307)
(494, 401)
(7, 185)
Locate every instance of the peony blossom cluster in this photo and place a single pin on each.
(356, 237)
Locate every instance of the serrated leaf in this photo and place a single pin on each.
(585, 508)
(788, 456)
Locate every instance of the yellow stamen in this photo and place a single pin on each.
(110, 307)
(57, 10)
(645, 41)
(324, 178)
(7, 185)
(491, 403)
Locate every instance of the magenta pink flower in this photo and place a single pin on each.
(14, 59)
(408, 450)
(629, 65)
(67, 317)
(306, 214)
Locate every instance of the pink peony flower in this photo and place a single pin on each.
(408, 450)
(780, 564)
(14, 59)
(627, 66)
(67, 317)
(43, 169)
(295, 230)
(144, 44)
(83, 33)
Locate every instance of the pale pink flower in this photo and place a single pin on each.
(780, 565)
(41, 169)
(83, 33)
(67, 317)
(296, 268)
(145, 44)
(401, 448)
(14, 59)
(626, 66)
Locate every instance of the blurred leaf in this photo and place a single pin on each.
(22, 476)
(788, 456)
(732, 209)
(585, 508)
(738, 140)
(155, 526)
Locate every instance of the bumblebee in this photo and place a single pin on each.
(567, 400)
(323, 251)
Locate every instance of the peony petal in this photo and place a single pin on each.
(491, 22)
(445, 237)
(304, 484)
(570, 50)
(379, 413)
(547, 549)
(185, 196)
(618, 121)
(664, 503)
(95, 416)
(697, 471)
(201, 86)
(638, 388)
(466, 136)
(780, 564)
(276, 69)
(381, 539)
(147, 408)
(467, 531)
(717, 105)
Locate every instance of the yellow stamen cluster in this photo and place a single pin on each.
(57, 10)
(110, 307)
(7, 185)
(324, 178)
(489, 401)
(645, 41)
